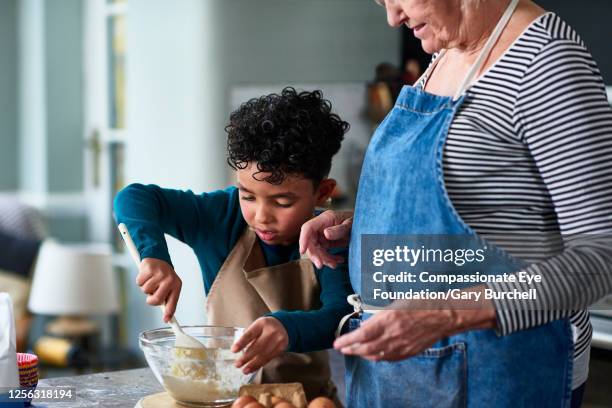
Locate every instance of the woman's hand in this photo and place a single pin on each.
(160, 282)
(412, 328)
(396, 334)
(330, 229)
(265, 339)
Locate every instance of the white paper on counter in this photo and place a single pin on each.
(9, 374)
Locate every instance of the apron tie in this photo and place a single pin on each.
(358, 309)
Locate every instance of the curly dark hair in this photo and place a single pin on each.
(288, 134)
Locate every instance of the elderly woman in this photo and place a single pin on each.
(507, 132)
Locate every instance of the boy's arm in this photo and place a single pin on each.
(314, 330)
(149, 211)
(207, 223)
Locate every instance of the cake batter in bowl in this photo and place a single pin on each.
(195, 377)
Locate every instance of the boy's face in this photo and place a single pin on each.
(276, 212)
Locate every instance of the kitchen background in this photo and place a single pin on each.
(95, 94)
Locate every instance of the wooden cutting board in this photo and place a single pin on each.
(160, 400)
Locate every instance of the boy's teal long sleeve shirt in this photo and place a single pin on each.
(211, 224)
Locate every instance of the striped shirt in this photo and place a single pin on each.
(528, 165)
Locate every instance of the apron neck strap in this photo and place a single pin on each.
(482, 57)
(429, 70)
(486, 50)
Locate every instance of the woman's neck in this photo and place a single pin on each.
(446, 78)
(477, 24)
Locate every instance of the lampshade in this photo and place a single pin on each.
(74, 280)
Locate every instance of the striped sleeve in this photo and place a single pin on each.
(562, 115)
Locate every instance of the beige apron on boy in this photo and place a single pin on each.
(245, 289)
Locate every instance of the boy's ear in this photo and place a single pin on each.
(325, 190)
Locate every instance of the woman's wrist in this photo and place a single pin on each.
(475, 315)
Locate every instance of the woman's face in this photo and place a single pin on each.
(436, 23)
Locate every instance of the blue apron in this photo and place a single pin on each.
(401, 191)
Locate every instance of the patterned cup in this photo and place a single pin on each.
(28, 371)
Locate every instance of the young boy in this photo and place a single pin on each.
(246, 239)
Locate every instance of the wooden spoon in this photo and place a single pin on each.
(182, 340)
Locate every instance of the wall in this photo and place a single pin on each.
(8, 95)
(64, 94)
(307, 41)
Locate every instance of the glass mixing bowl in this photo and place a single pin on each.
(200, 378)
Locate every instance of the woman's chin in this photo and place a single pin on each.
(430, 47)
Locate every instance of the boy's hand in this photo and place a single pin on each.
(162, 285)
(266, 339)
(330, 229)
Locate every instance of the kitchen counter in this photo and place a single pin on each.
(118, 389)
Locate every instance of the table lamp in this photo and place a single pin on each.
(73, 282)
